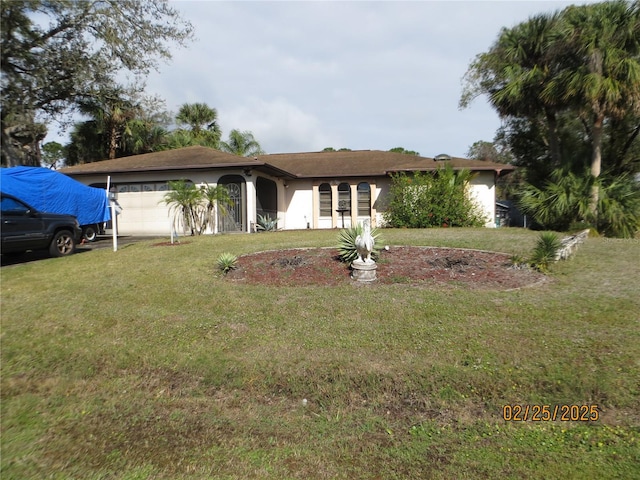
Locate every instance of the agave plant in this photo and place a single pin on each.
(347, 243)
(227, 261)
(266, 223)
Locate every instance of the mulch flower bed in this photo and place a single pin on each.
(419, 266)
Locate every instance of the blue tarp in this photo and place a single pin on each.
(51, 191)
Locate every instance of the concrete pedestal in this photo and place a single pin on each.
(363, 271)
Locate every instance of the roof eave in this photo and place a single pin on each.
(155, 168)
(506, 168)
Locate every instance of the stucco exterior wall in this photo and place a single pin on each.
(381, 201)
(298, 205)
(140, 197)
(483, 190)
(144, 213)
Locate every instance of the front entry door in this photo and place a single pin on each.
(232, 221)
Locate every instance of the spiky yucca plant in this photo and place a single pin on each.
(545, 251)
(347, 243)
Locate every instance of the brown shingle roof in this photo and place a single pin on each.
(291, 165)
(179, 159)
(365, 163)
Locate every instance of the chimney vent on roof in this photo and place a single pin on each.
(443, 157)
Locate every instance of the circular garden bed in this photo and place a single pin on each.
(419, 266)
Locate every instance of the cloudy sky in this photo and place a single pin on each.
(302, 76)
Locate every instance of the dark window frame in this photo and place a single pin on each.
(325, 200)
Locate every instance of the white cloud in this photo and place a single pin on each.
(278, 125)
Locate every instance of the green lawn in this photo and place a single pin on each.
(147, 364)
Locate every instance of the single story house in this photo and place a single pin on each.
(302, 190)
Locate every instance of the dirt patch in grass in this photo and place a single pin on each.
(419, 266)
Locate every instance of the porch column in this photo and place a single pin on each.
(216, 211)
(251, 203)
(281, 202)
(334, 204)
(374, 195)
(315, 209)
(353, 189)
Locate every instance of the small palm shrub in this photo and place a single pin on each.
(194, 209)
(347, 243)
(564, 201)
(227, 261)
(545, 251)
(619, 206)
(266, 223)
(183, 199)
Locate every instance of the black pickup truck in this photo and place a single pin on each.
(24, 228)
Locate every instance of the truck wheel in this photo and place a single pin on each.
(62, 244)
(90, 233)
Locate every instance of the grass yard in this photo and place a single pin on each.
(147, 364)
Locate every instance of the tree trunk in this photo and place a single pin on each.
(113, 142)
(596, 161)
(21, 145)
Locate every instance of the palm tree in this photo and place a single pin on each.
(605, 79)
(202, 122)
(516, 71)
(194, 210)
(143, 136)
(179, 139)
(216, 201)
(86, 143)
(183, 200)
(112, 113)
(242, 144)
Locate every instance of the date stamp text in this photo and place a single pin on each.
(550, 413)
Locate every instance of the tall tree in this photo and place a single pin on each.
(202, 121)
(53, 154)
(56, 53)
(122, 123)
(581, 63)
(148, 131)
(621, 147)
(144, 136)
(241, 143)
(489, 152)
(86, 143)
(516, 71)
(21, 138)
(604, 81)
(112, 113)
